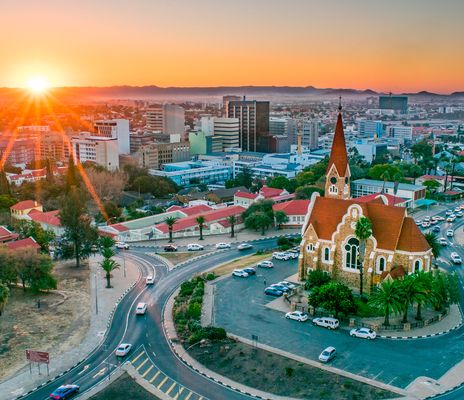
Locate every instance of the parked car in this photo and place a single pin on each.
(363, 333)
(282, 288)
(123, 349)
(458, 208)
(271, 291)
(281, 256)
(292, 254)
(456, 258)
(459, 214)
(240, 273)
(427, 219)
(141, 308)
(265, 264)
(443, 241)
(436, 228)
(250, 270)
(327, 354)
(425, 224)
(448, 212)
(149, 280)
(418, 222)
(288, 284)
(122, 245)
(297, 316)
(450, 219)
(194, 247)
(450, 233)
(64, 392)
(222, 245)
(170, 248)
(244, 246)
(326, 322)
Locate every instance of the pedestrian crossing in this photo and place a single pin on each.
(144, 365)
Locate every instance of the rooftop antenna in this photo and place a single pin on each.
(340, 104)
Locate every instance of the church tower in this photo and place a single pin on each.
(338, 173)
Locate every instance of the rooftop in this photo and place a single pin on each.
(390, 185)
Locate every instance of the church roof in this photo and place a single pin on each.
(338, 154)
(392, 229)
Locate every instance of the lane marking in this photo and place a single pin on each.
(136, 358)
(189, 395)
(147, 371)
(162, 382)
(172, 387)
(179, 392)
(85, 369)
(101, 372)
(141, 365)
(156, 376)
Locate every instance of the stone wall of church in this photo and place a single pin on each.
(340, 182)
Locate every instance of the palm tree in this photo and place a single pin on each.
(387, 298)
(425, 280)
(363, 231)
(107, 252)
(411, 292)
(106, 242)
(170, 221)
(385, 176)
(4, 294)
(109, 265)
(201, 223)
(432, 240)
(232, 221)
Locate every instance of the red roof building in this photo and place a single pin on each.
(295, 210)
(23, 244)
(6, 235)
(385, 198)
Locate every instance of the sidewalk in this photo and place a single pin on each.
(103, 299)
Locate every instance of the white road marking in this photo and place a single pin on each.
(101, 372)
(85, 369)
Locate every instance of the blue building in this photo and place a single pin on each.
(368, 128)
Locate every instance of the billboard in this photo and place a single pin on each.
(38, 356)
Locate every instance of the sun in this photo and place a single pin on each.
(37, 84)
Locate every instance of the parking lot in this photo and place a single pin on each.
(240, 307)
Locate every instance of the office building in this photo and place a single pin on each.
(400, 132)
(154, 155)
(99, 150)
(283, 127)
(310, 134)
(114, 129)
(368, 128)
(253, 119)
(370, 150)
(397, 103)
(141, 138)
(166, 118)
(224, 130)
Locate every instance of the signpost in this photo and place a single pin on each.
(40, 357)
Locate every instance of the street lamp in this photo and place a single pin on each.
(96, 293)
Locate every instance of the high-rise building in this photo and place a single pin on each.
(310, 137)
(397, 103)
(155, 118)
(115, 129)
(226, 129)
(99, 150)
(367, 128)
(400, 132)
(253, 119)
(225, 102)
(283, 127)
(141, 138)
(166, 118)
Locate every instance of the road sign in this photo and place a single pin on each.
(38, 356)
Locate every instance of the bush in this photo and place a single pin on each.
(210, 276)
(214, 333)
(194, 311)
(289, 371)
(317, 278)
(283, 240)
(187, 288)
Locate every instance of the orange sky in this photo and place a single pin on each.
(395, 45)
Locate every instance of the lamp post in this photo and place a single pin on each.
(96, 293)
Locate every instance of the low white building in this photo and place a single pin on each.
(99, 150)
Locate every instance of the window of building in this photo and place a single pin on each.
(417, 265)
(310, 247)
(351, 254)
(381, 264)
(333, 189)
(326, 254)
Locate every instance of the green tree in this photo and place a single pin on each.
(445, 289)
(280, 218)
(411, 292)
(317, 278)
(305, 192)
(431, 185)
(264, 206)
(232, 221)
(432, 240)
(34, 270)
(79, 235)
(384, 172)
(4, 294)
(6, 201)
(8, 270)
(425, 281)
(72, 175)
(4, 184)
(170, 221)
(282, 182)
(363, 231)
(334, 297)
(106, 242)
(50, 177)
(387, 298)
(201, 223)
(260, 220)
(42, 236)
(108, 265)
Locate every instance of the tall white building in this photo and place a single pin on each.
(400, 132)
(283, 126)
(96, 149)
(166, 118)
(115, 129)
(310, 136)
(227, 129)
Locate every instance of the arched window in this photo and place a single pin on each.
(326, 254)
(380, 264)
(310, 247)
(351, 251)
(333, 189)
(417, 265)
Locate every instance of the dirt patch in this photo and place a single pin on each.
(240, 263)
(177, 258)
(123, 387)
(57, 326)
(279, 375)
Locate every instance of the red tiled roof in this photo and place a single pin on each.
(387, 222)
(50, 217)
(195, 210)
(292, 207)
(268, 192)
(23, 243)
(245, 195)
(338, 155)
(25, 205)
(411, 238)
(391, 200)
(120, 227)
(6, 234)
(210, 216)
(395, 273)
(432, 177)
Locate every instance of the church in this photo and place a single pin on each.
(397, 247)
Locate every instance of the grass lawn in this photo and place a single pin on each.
(240, 263)
(123, 388)
(279, 375)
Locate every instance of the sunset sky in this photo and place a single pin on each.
(394, 45)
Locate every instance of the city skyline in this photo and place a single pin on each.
(398, 47)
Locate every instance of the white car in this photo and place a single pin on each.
(326, 322)
(223, 246)
(288, 284)
(418, 222)
(281, 256)
(443, 241)
(122, 245)
(439, 218)
(459, 214)
(244, 246)
(425, 224)
(292, 254)
(327, 354)
(194, 247)
(149, 280)
(427, 219)
(450, 233)
(458, 208)
(240, 273)
(265, 264)
(141, 308)
(450, 219)
(448, 212)
(297, 316)
(363, 333)
(123, 349)
(456, 258)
